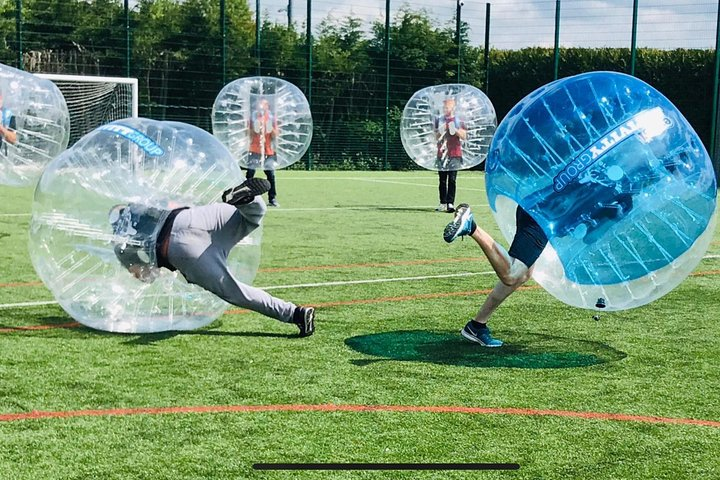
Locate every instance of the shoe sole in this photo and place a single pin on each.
(308, 323)
(475, 339)
(248, 190)
(452, 228)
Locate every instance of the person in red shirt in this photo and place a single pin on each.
(263, 132)
(450, 131)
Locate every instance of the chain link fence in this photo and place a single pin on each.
(359, 62)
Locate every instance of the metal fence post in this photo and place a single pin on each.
(716, 85)
(556, 55)
(257, 35)
(309, 39)
(223, 32)
(633, 41)
(487, 48)
(127, 38)
(458, 24)
(386, 126)
(18, 33)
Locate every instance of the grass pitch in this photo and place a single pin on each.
(391, 301)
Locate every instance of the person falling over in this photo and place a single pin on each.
(196, 242)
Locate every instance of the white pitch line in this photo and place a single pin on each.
(379, 207)
(28, 304)
(418, 177)
(374, 280)
(373, 180)
(315, 209)
(301, 285)
(324, 284)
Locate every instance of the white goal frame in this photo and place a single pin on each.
(90, 78)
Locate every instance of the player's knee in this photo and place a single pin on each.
(510, 280)
(516, 276)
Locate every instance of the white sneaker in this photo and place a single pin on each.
(450, 208)
(441, 208)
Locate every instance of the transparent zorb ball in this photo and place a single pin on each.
(619, 182)
(35, 126)
(265, 122)
(81, 224)
(448, 127)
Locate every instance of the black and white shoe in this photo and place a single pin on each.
(246, 191)
(304, 318)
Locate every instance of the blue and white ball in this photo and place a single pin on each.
(617, 179)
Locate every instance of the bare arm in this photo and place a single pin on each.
(9, 135)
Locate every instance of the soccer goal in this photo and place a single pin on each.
(95, 101)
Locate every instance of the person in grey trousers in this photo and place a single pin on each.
(196, 242)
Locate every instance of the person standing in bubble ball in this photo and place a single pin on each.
(7, 126)
(196, 242)
(450, 131)
(513, 267)
(263, 132)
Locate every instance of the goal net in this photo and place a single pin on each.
(95, 101)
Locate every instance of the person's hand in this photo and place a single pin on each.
(451, 128)
(442, 128)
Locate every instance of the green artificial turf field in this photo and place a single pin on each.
(566, 397)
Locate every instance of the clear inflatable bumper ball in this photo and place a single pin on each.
(79, 224)
(265, 122)
(34, 126)
(617, 179)
(448, 127)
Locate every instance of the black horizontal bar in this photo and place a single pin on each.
(386, 466)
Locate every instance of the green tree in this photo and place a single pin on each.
(7, 32)
(282, 52)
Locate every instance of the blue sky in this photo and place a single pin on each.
(522, 23)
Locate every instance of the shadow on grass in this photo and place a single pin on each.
(52, 321)
(60, 322)
(521, 350)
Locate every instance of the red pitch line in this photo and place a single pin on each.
(348, 265)
(21, 284)
(40, 327)
(621, 417)
(404, 298)
(420, 296)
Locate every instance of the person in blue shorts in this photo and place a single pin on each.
(513, 267)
